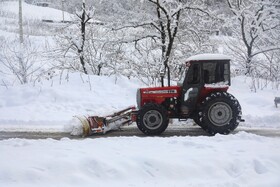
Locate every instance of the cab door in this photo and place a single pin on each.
(191, 88)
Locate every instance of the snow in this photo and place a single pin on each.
(233, 160)
(51, 106)
(217, 85)
(258, 108)
(34, 12)
(208, 56)
(240, 159)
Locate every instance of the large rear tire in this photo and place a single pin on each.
(152, 119)
(221, 113)
(198, 120)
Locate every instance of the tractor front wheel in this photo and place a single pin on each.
(152, 119)
(221, 113)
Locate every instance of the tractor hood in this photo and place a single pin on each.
(156, 94)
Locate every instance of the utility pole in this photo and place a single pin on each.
(20, 22)
(20, 56)
(62, 3)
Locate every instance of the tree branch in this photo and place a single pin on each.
(266, 50)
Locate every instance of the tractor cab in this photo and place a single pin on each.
(201, 95)
(204, 74)
(206, 69)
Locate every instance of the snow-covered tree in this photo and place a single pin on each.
(256, 27)
(165, 31)
(73, 41)
(18, 61)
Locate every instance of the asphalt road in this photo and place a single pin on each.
(133, 131)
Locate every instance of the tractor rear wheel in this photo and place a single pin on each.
(198, 120)
(152, 119)
(221, 113)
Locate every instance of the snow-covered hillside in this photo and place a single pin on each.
(33, 11)
(37, 21)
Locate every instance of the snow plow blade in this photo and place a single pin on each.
(96, 124)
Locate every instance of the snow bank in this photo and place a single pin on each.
(233, 160)
(51, 105)
(258, 108)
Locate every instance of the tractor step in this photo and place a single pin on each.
(96, 124)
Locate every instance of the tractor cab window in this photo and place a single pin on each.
(216, 72)
(193, 74)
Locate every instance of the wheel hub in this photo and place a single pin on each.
(152, 119)
(220, 114)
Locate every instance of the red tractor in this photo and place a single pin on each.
(201, 95)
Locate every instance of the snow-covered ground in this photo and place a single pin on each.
(230, 161)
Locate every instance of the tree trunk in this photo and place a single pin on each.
(83, 30)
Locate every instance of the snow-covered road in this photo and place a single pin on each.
(132, 130)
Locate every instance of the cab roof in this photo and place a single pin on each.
(208, 56)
